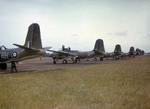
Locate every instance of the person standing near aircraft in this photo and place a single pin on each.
(13, 66)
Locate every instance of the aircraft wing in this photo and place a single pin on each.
(26, 48)
(47, 48)
(64, 53)
(5, 62)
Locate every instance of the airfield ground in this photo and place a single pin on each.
(45, 64)
(122, 84)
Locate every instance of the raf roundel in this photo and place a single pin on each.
(14, 54)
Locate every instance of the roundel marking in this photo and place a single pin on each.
(14, 54)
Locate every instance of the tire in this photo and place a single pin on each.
(94, 59)
(54, 62)
(64, 61)
(3, 66)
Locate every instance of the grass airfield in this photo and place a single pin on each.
(117, 85)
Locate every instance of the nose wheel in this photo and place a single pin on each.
(94, 59)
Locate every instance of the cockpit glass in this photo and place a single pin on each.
(2, 48)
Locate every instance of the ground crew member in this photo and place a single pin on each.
(13, 66)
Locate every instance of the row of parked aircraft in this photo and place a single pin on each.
(98, 51)
(32, 48)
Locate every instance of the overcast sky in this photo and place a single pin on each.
(78, 23)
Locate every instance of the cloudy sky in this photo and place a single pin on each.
(78, 23)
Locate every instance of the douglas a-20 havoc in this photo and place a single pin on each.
(31, 49)
(98, 51)
(77, 55)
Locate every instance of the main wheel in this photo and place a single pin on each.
(54, 62)
(94, 59)
(3, 66)
(64, 61)
(101, 59)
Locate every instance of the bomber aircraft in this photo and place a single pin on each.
(74, 54)
(138, 51)
(31, 49)
(116, 54)
(56, 56)
(131, 53)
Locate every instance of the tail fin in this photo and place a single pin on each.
(33, 38)
(137, 51)
(118, 48)
(99, 45)
(63, 48)
(131, 50)
(143, 52)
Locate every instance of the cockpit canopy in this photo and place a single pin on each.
(3, 47)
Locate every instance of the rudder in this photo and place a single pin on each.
(118, 48)
(99, 45)
(131, 50)
(33, 38)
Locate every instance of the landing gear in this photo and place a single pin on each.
(64, 61)
(101, 59)
(54, 60)
(3, 66)
(117, 58)
(75, 60)
(94, 59)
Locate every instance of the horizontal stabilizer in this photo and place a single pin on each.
(26, 48)
(100, 52)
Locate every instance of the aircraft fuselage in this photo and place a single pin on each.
(18, 54)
